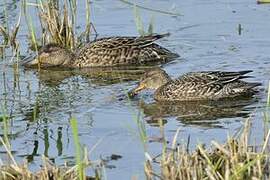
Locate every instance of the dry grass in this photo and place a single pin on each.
(235, 159)
(48, 171)
(15, 172)
(58, 23)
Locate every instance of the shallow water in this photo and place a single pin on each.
(206, 37)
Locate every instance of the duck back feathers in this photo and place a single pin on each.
(208, 85)
(123, 51)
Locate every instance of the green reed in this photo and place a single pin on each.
(140, 124)
(85, 35)
(5, 30)
(6, 14)
(5, 120)
(74, 127)
(151, 9)
(268, 95)
(50, 171)
(32, 31)
(9, 33)
(139, 23)
(73, 7)
(88, 21)
(263, 1)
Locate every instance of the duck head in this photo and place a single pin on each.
(151, 80)
(51, 55)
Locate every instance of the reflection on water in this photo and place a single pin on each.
(11, 6)
(59, 93)
(202, 114)
(46, 144)
(95, 76)
(39, 104)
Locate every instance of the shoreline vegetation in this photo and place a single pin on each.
(234, 159)
(16, 171)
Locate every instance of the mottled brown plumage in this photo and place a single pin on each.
(112, 51)
(207, 85)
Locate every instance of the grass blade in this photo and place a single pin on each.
(74, 127)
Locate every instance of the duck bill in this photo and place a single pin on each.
(136, 90)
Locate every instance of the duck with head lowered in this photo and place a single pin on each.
(111, 51)
(195, 86)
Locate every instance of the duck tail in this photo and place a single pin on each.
(244, 72)
(154, 37)
(253, 85)
(159, 36)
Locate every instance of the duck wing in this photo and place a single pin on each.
(115, 51)
(207, 85)
(122, 42)
(212, 77)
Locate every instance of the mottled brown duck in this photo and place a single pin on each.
(194, 86)
(111, 51)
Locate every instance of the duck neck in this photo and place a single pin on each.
(70, 59)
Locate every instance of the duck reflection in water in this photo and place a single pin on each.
(198, 96)
(97, 76)
(203, 114)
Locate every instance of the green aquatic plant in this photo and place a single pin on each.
(139, 23)
(16, 171)
(263, 1)
(4, 118)
(151, 9)
(138, 20)
(32, 31)
(268, 95)
(9, 33)
(75, 132)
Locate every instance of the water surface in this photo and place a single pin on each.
(41, 104)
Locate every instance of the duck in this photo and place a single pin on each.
(105, 52)
(196, 86)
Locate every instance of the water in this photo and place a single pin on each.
(206, 37)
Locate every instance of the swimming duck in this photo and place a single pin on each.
(194, 86)
(111, 51)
